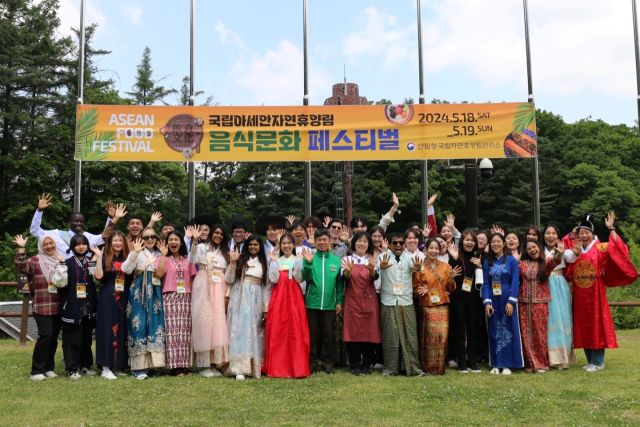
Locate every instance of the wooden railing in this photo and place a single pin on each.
(24, 315)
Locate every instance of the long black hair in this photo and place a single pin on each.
(463, 235)
(182, 250)
(293, 242)
(75, 241)
(245, 256)
(224, 245)
(542, 264)
(492, 256)
(557, 230)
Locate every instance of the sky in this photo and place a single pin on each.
(251, 52)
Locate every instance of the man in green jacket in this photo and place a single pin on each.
(324, 299)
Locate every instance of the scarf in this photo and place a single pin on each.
(48, 263)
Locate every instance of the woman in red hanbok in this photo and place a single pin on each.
(594, 267)
(286, 353)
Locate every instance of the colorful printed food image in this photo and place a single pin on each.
(400, 114)
(523, 144)
(182, 133)
(163, 130)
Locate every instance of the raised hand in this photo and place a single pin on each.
(384, 261)
(120, 211)
(517, 255)
(272, 255)
(291, 219)
(138, 245)
(44, 201)
(426, 231)
(311, 239)
(347, 264)
(417, 264)
(560, 248)
(235, 255)
(155, 218)
(611, 217)
(307, 254)
(344, 234)
(187, 232)
(453, 251)
(496, 230)
(20, 241)
(300, 255)
(450, 222)
(384, 247)
(163, 248)
(371, 264)
(110, 209)
(327, 220)
(432, 199)
(396, 202)
(58, 256)
(247, 235)
(455, 272)
(97, 251)
(196, 232)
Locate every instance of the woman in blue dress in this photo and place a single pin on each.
(500, 298)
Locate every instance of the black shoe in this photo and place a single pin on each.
(355, 371)
(462, 369)
(312, 369)
(473, 367)
(366, 370)
(328, 371)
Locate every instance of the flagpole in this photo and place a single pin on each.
(77, 178)
(305, 101)
(637, 52)
(534, 160)
(191, 168)
(424, 173)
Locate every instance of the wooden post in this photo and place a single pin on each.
(24, 319)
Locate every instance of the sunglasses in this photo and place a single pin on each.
(145, 238)
(398, 243)
(336, 227)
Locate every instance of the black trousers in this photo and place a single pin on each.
(360, 354)
(45, 349)
(321, 337)
(483, 337)
(464, 319)
(76, 344)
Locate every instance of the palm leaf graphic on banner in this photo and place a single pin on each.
(86, 134)
(525, 115)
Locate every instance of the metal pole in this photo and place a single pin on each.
(192, 169)
(305, 101)
(471, 196)
(424, 173)
(535, 183)
(637, 52)
(77, 175)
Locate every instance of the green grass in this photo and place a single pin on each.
(573, 397)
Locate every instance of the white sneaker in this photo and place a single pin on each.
(142, 377)
(594, 368)
(50, 374)
(88, 371)
(453, 364)
(541, 371)
(207, 373)
(107, 374)
(215, 372)
(495, 371)
(585, 367)
(119, 372)
(378, 366)
(74, 375)
(38, 377)
(240, 377)
(506, 371)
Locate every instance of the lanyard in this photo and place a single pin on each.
(84, 270)
(179, 269)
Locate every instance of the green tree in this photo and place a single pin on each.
(145, 90)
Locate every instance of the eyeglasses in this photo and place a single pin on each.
(398, 243)
(145, 238)
(336, 227)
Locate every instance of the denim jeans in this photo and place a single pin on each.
(594, 357)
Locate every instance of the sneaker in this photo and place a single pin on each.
(366, 371)
(50, 374)
(585, 367)
(142, 377)
(506, 371)
(494, 371)
(38, 377)
(215, 372)
(453, 364)
(356, 372)
(88, 371)
(207, 373)
(107, 374)
(463, 370)
(594, 368)
(119, 372)
(473, 367)
(74, 375)
(541, 371)
(240, 377)
(384, 374)
(421, 374)
(378, 366)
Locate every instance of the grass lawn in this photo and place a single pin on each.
(573, 397)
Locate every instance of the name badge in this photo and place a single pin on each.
(497, 289)
(81, 290)
(397, 288)
(466, 284)
(52, 288)
(216, 276)
(119, 285)
(155, 280)
(434, 297)
(181, 287)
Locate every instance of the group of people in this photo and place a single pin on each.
(316, 293)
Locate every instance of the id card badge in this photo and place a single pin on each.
(181, 287)
(216, 276)
(51, 288)
(497, 289)
(466, 284)
(397, 288)
(119, 285)
(155, 280)
(81, 290)
(434, 297)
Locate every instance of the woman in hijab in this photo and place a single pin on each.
(40, 269)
